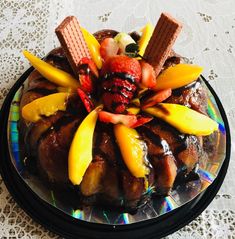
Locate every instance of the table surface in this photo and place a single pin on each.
(208, 39)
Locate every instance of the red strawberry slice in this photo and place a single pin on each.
(108, 48)
(148, 75)
(156, 98)
(86, 99)
(141, 120)
(86, 82)
(127, 120)
(91, 65)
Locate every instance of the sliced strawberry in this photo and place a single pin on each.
(148, 75)
(108, 47)
(86, 100)
(141, 120)
(86, 82)
(127, 120)
(156, 98)
(91, 65)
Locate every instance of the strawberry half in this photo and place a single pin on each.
(86, 99)
(87, 73)
(158, 97)
(148, 75)
(141, 120)
(127, 120)
(108, 48)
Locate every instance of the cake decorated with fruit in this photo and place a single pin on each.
(117, 116)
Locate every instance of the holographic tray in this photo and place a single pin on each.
(186, 197)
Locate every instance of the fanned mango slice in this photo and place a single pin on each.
(52, 73)
(80, 152)
(132, 149)
(185, 120)
(147, 32)
(93, 46)
(133, 110)
(47, 105)
(177, 76)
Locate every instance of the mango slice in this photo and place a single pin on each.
(186, 120)
(52, 73)
(80, 152)
(147, 32)
(47, 105)
(132, 149)
(177, 76)
(133, 110)
(93, 46)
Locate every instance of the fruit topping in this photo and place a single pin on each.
(86, 99)
(133, 110)
(72, 41)
(128, 120)
(156, 98)
(185, 120)
(93, 46)
(148, 79)
(88, 74)
(147, 32)
(133, 150)
(177, 76)
(121, 73)
(44, 106)
(80, 152)
(108, 48)
(52, 73)
(161, 41)
(141, 120)
(123, 40)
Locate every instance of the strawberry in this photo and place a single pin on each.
(91, 65)
(124, 64)
(148, 75)
(115, 102)
(119, 82)
(87, 72)
(127, 120)
(86, 99)
(158, 97)
(108, 48)
(141, 120)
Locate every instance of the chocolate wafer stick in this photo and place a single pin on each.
(72, 41)
(162, 40)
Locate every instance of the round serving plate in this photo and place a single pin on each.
(171, 215)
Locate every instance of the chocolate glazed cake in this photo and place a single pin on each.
(169, 152)
(115, 117)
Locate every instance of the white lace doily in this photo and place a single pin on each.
(208, 39)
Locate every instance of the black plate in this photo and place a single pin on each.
(69, 227)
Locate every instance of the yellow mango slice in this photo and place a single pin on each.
(147, 32)
(93, 46)
(80, 152)
(132, 149)
(177, 76)
(52, 73)
(185, 120)
(133, 110)
(47, 105)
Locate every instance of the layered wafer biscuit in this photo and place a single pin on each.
(162, 40)
(72, 41)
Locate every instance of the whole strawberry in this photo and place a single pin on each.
(120, 75)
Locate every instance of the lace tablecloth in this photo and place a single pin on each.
(208, 39)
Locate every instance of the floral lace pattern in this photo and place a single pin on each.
(207, 39)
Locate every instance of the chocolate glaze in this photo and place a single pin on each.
(121, 75)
